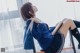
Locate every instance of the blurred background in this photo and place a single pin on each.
(49, 11)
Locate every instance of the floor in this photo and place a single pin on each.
(70, 51)
(30, 51)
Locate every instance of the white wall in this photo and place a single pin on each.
(52, 11)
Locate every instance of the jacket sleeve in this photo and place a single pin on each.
(45, 31)
(28, 39)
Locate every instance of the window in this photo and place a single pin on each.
(11, 24)
(12, 5)
(9, 9)
(8, 5)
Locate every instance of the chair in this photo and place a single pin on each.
(71, 38)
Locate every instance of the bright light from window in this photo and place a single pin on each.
(8, 5)
(12, 5)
